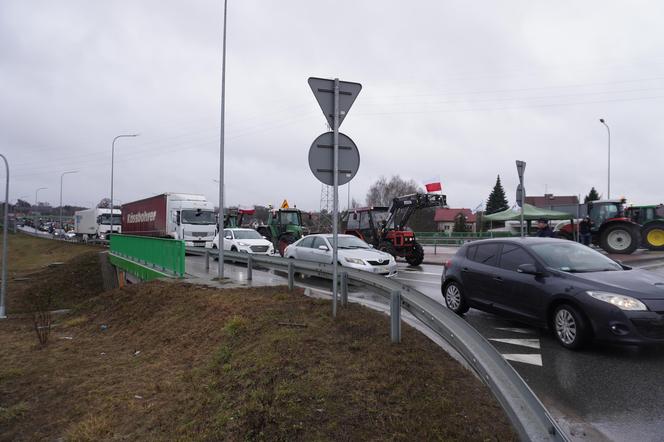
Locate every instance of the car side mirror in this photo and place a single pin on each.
(528, 269)
(228, 237)
(371, 246)
(323, 247)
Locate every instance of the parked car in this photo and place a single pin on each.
(244, 240)
(572, 289)
(353, 253)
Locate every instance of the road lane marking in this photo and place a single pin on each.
(530, 343)
(516, 330)
(417, 280)
(526, 359)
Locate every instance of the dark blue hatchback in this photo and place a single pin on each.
(569, 288)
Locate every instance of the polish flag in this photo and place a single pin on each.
(433, 185)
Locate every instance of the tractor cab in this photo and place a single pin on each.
(602, 211)
(284, 226)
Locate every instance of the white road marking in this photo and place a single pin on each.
(535, 359)
(530, 343)
(417, 280)
(515, 330)
(418, 272)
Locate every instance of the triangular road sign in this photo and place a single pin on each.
(285, 205)
(323, 90)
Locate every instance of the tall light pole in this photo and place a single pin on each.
(61, 177)
(36, 193)
(220, 220)
(3, 286)
(608, 184)
(112, 165)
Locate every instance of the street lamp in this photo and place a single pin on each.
(3, 286)
(112, 161)
(36, 193)
(221, 149)
(61, 177)
(608, 184)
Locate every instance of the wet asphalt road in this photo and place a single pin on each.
(602, 392)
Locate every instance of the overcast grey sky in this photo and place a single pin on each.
(454, 89)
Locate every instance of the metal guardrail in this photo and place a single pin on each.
(528, 415)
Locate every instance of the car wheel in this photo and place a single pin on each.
(569, 327)
(233, 249)
(454, 298)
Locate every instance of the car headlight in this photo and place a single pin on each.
(242, 244)
(354, 261)
(623, 302)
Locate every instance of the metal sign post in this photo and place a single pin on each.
(521, 191)
(335, 99)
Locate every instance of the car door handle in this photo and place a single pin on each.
(498, 278)
(465, 269)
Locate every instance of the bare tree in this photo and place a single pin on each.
(105, 203)
(382, 192)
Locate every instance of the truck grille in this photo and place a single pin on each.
(259, 249)
(199, 234)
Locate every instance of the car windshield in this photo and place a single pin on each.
(349, 242)
(106, 219)
(573, 257)
(198, 217)
(247, 234)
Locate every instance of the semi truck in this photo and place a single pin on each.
(96, 223)
(183, 216)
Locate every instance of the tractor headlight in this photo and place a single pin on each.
(623, 302)
(355, 261)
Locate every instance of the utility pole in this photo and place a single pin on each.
(608, 172)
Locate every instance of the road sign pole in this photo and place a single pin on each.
(335, 210)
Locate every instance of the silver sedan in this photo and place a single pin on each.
(353, 253)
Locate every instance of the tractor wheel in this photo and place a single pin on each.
(653, 236)
(620, 238)
(284, 241)
(387, 247)
(417, 256)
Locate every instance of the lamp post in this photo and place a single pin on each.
(61, 177)
(112, 165)
(220, 220)
(36, 193)
(608, 174)
(3, 286)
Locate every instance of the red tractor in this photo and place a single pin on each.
(385, 227)
(612, 230)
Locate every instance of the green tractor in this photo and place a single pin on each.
(284, 227)
(651, 219)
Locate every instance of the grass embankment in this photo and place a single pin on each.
(30, 277)
(165, 361)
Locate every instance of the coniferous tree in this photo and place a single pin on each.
(592, 195)
(460, 223)
(497, 201)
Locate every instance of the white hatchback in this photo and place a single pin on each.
(244, 240)
(353, 253)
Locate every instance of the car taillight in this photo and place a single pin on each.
(447, 264)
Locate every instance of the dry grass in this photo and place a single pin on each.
(194, 363)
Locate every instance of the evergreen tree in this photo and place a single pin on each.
(592, 196)
(497, 201)
(460, 223)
